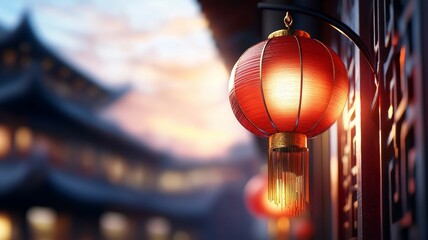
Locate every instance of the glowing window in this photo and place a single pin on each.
(203, 178)
(115, 168)
(158, 228)
(42, 221)
(172, 181)
(114, 226)
(5, 141)
(5, 227)
(23, 139)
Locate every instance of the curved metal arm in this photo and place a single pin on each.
(333, 22)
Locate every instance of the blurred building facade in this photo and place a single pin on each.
(65, 173)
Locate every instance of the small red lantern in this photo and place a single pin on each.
(288, 88)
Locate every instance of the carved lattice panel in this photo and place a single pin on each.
(397, 110)
(398, 115)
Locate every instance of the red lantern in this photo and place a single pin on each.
(288, 88)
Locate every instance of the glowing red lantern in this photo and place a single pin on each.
(288, 88)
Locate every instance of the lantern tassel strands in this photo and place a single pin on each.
(288, 181)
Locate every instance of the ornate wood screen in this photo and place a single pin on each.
(382, 190)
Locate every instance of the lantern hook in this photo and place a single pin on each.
(288, 20)
(333, 22)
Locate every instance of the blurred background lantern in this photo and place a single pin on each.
(256, 200)
(288, 88)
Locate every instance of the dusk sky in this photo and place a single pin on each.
(164, 50)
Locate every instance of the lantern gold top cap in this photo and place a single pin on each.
(288, 31)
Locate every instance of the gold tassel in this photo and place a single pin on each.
(288, 180)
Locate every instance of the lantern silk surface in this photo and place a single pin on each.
(288, 84)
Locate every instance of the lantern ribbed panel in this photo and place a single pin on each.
(238, 111)
(248, 88)
(288, 84)
(338, 98)
(318, 83)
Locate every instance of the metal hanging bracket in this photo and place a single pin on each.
(333, 22)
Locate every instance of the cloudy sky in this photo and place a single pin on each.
(164, 50)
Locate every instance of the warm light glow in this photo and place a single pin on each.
(271, 206)
(334, 167)
(204, 178)
(114, 225)
(402, 58)
(5, 227)
(115, 169)
(279, 228)
(5, 141)
(42, 221)
(196, 178)
(334, 178)
(158, 229)
(294, 187)
(283, 225)
(282, 101)
(172, 181)
(390, 111)
(23, 139)
(181, 235)
(271, 227)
